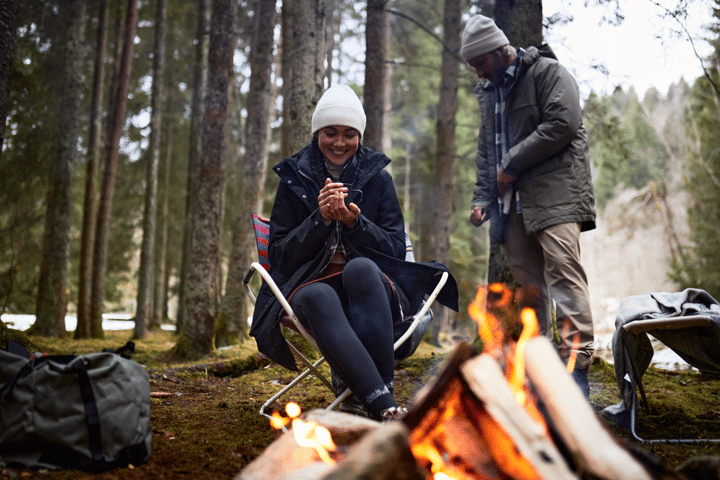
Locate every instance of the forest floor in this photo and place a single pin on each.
(205, 421)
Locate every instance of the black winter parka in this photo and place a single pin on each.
(301, 245)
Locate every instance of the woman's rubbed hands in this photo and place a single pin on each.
(332, 206)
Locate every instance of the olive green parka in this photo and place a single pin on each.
(547, 148)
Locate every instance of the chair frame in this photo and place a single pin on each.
(644, 326)
(312, 367)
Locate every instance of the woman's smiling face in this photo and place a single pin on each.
(338, 143)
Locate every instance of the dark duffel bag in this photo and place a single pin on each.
(90, 412)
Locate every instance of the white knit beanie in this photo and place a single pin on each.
(481, 36)
(339, 106)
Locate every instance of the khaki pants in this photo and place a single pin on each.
(548, 263)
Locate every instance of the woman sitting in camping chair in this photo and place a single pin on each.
(337, 250)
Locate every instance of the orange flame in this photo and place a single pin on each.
(307, 434)
(431, 432)
(493, 339)
(516, 373)
(504, 451)
(572, 357)
(489, 327)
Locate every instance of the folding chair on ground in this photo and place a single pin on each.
(695, 338)
(410, 331)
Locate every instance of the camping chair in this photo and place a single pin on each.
(411, 329)
(681, 334)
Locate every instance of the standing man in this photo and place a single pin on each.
(533, 180)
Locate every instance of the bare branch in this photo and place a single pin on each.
(676, 17)
(428, 31)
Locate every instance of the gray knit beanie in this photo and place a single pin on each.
(481, 36)
(339, 105)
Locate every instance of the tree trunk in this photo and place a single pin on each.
(202, 287)
(333, 21)
(115, 129)
(147, 252)
(199, 85)
(8, 34)
(521, 21)
(376, 95)
(445, 150)
(308, 53)
(93, 159)
(161, 258)
(243, 250)
(286, 59)
(52, 285)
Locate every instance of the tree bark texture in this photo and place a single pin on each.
(521, 21)
(52, 285)
(308, 53)
(115, 129)
(202, 287)
(243, 249)
(286, 60)
(376, 95)
(82, 330)
(332, 25)
(161, 258)
(8, 34)
(147, 251)
(445, 148)
(202, 38)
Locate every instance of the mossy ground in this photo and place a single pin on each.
(206, 423)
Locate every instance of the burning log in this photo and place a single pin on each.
(529, 437)
(474, 421)
(285, 456)
(592, 447)
(383, 454)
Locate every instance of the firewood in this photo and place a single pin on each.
(382, 454)
(485, 378)
(592, 447)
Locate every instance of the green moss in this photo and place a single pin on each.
(206, 422)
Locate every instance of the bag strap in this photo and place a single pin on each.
(128, 347)
(133, 454)
(92, 417)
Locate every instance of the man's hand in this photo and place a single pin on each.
(478, 215)
(504, 182)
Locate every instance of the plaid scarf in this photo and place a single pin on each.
(501, 133)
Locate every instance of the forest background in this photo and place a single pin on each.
(139, 134)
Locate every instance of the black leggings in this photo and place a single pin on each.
(352, 323)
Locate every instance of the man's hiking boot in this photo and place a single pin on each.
(580, 375)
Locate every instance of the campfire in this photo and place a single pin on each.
(510, 412)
